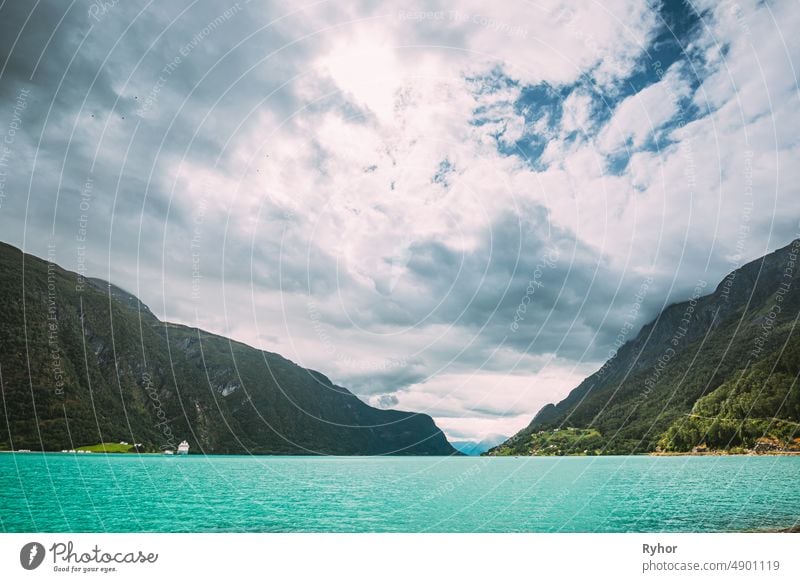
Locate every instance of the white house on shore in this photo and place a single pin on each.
(183, 448)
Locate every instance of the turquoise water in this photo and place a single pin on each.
(150, 493)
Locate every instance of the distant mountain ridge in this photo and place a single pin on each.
(474, 448)
(84, 362)
(716, 372)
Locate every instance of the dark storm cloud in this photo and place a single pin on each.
(390, 377)
(529, 286)
(129, 90)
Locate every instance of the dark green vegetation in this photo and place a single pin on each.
(717, 372)
(757, 409)
(84, 362)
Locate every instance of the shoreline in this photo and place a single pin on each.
(246, 454)
(726, 454)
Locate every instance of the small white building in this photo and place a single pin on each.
(183, 448)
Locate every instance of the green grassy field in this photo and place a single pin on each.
(107, 448)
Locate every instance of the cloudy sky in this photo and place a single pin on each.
(448, 207)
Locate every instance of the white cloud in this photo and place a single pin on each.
(640, 116)
(578, 113)
(487, 402)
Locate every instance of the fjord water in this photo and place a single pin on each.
(151, 493)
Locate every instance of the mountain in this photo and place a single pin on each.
(83, 362)
(475, 448)
(716, 372)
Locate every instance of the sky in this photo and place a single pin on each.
(454, 208)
